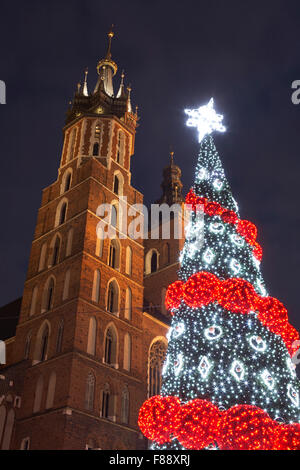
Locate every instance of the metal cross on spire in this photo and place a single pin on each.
(205, 119)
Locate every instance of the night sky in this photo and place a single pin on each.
(175, 55)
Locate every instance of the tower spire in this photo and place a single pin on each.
(121, 91)
(85, 88)
(171, 184)
(106, 69)
(129, 107)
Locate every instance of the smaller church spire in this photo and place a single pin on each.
(121, 92)
(171, 184)
(129, 107)
(85, 88)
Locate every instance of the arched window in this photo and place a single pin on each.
(48, 295)
(127, 352)
(72, 143)
(114, 216)
(96, 149)
(8, 429)
(113, 297)
(125, 406)
(105, 405)
(166, 253)
(163, 299)
(90, 392)
(51, 390)
(38, 394)
(128, 304)
(99, 242)
(44, 344)
(114, 254)
(61, 212)
(2, 420)
(92, 334)
(66, 285)
(96, 145)
(110, 346)
(33, 301)
(66, 181)
(157, 356)
(96, 286)
(43, 256)
(59, 339)
(120, 147)
(151, 261)
(128, 266)
(25, 443)
(27, 347)
(154, 262)
(55, 245)
(69, 242)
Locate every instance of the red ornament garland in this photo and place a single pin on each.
(245, 228)
(236, 295)
(198, 423)
(156, 418)
(246, 427)
(287, 437)
(174, 295)
(200, 289)
(230, 217)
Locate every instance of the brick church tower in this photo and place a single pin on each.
(86, 354)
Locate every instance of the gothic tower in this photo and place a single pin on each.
(162, 254)
(80, 332)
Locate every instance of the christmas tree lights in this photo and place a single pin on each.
(228, 380)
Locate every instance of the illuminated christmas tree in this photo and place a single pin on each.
(229, 381)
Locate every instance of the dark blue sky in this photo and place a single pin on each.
(176, 55)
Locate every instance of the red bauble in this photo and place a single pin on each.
(291, 338)
(229, 217)
(213, 208)
(287, 437)
(248, 230)
(257, 251)
(272, 309)
(201, 289)
(197, 424)
(246, 427)
(174, 295)
(193, 200)
(237, 295)
(156, 418)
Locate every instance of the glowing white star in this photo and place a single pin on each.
(205, 119)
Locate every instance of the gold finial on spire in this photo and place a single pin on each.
(84, 88)
(172, 156)
(108, 60)
(110, 35)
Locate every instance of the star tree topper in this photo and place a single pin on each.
(205, 119)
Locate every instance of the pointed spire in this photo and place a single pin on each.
(78, 88)
(85, 88)
(121, 92)
(110, 36)
(172, 157)
(129, 107)
(106, 69)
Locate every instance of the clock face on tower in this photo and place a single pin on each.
(99, 110)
